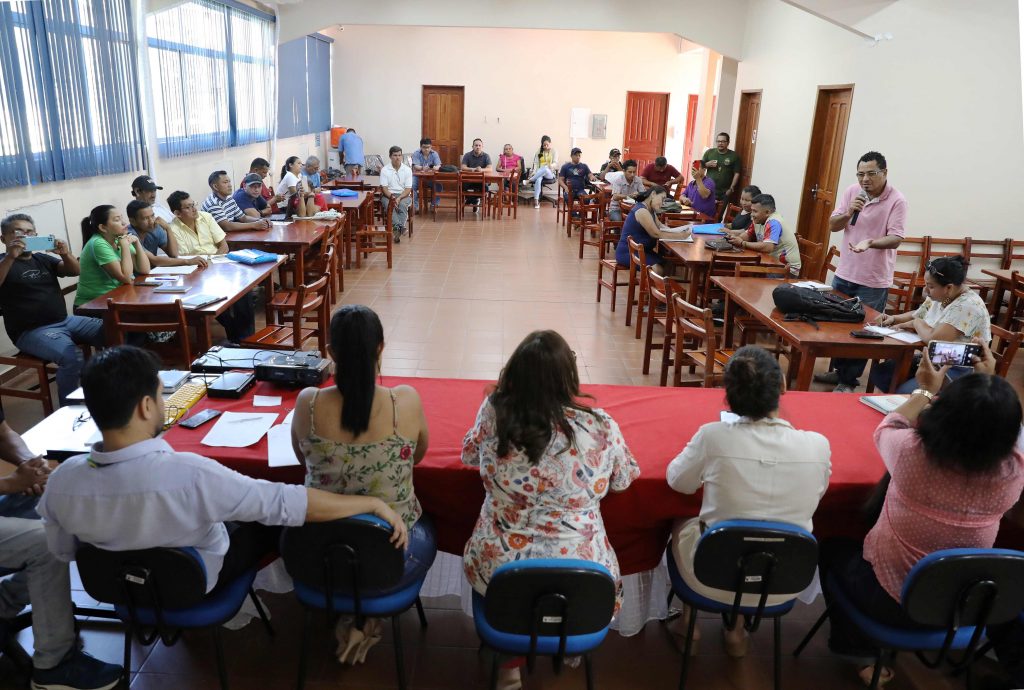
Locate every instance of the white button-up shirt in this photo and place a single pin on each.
(147, 495)
(396, 181)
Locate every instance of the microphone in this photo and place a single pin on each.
(863, 195)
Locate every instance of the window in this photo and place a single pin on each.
(212, 69)
(304, 86)
(68, 87)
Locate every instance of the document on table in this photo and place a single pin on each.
(279, 446)
(266, 401)
(239, 429)
(896, 334)
(675, 231)
(172, 270)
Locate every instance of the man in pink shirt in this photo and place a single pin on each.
(872, 215)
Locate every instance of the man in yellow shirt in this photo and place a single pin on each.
(198, 233)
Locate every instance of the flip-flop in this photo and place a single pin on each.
(866, 672)
(735, 649)
(373, 632)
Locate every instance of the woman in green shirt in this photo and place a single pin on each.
(109, 257)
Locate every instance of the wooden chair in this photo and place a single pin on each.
(135, 317)
(1014, 254)
(474, 179)
(609, 241)
(731, 211)
(562, 205)
(660, 290)
(912, 256)
(590, 221)
(829, 263)
(636, 284)
(376, 238)
(505, 201)
(747, 327)
(720, 207)
(1004, 348)
(987, 254)
(43, 372)
(323, 260)
(447, 188)
(696, 344)
(284, 301)
(901, 292)
(1015, 311)
(810, 254)
(291, 333)
(725, 265)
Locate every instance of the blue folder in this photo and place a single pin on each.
(344, 192)
(709, 229)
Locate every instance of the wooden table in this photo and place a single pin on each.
(828, 339)
(358, 211)
(418, 179)
(295, 238)
(498, 178)
(1004, 282)
(698, 259)
(231, 279)
(361, 182)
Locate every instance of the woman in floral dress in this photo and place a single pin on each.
(363, 438)
(546, 460)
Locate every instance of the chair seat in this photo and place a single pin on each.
(219, 606)
(277, 337)
(520, 644)
(285, 300)
(892, 637)
(684, 592)
(721, 358)
(381, 605)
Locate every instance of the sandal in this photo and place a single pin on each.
(510, 679)
(736, 648)
(866, 672)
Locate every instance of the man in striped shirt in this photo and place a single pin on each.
(224, 209)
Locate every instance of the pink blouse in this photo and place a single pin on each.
(929, 508)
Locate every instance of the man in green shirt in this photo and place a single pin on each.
(723, 167)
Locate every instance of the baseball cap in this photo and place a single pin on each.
(614, 152)
(252, 178)
(575, 151)
(145, 183)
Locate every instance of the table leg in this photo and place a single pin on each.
(902, 371)
(423, 199)
(300, 267)
(348, 236)
(203, 337)
(727, 326)
(806, 371)
(997, 299)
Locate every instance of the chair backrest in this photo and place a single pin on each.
(829, 263)
(949, 246)
(690, 320)
(988, 254)
(725, 265)
(810, 254)
(901, 293)
(611, 233)
(757, 271)
(731, 211)
(1014, 253)
(160, 578)
(447, 184)
(965, 587)
(1015, 307)
(912, 253)
(1004, 348)
(137, 317)
(637, 256)
(549, 597)
(343, 556)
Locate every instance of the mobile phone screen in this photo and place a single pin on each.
(953, 354)
(199, 418)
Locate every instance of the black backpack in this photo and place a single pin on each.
(805, 304)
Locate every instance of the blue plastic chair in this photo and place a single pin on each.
(350, 567)
(747, 557)
(158, 593)
(957, 592)
(548, 606)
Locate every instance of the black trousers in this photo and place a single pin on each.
(239, 321)
(251, 542)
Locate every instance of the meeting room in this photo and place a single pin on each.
(511, 345)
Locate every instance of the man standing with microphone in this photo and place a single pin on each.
(872, 216)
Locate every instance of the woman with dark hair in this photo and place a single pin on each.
(756, 467)
(952, 311)
(742, 220)
(546, 459)
(954, 471)
(642, 226)
(292, 190)
(111, 256)
(363, 438)
(545, 165)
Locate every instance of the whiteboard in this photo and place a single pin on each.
(49, 219)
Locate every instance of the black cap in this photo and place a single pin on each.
(614, 152)
(575, 151)
(145, 183)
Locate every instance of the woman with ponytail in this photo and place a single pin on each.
(363, 438)
(757, 467)
(642, 226)
(111, 255)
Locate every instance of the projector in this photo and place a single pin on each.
(294, 369)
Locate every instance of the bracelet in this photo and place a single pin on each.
(922, 391)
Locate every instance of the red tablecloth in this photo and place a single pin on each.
(657, 423)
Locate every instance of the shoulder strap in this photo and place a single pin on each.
(312, 412)
(394, 410)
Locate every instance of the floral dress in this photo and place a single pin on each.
(382, 469)
(549, 509)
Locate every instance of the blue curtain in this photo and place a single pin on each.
(68, 83)
(304, 86)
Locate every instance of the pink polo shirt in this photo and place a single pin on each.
(883, 215)
(929, 508)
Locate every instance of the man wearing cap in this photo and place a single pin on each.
(613, 164)
(221, 205)
(261, 167)
(574, 175)
(250, 197)
(144, 189)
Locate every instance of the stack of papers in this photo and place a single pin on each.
(280, 452)
(814, 285)
(884, 403)
(895, 334)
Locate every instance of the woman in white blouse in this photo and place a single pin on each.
(756, 468)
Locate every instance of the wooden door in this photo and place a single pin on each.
(691, 132)
(646, 127)
(824, 161)
(746, 133)
(442, 120)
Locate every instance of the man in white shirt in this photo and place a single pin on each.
(625, 184)
(396, 183)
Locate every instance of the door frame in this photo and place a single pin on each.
(808, 166)
(748, 161)
(462, 126)
(625, 118)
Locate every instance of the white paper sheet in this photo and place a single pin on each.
(68, 429)
(279, 446)
(266, 401)
(288, 419)
(902, 336)
(239, 429)
(730, 417)
(688, 238)
(172, 270)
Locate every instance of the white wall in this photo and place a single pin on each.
(942, 102)
(501, 108)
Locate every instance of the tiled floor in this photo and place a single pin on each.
(459, 299)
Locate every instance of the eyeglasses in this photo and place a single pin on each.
(872, 174)
(80, 420)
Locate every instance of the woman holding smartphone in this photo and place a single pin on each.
(951, 312)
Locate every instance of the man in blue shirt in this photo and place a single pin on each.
(153, 237)
(424, 158)
(250, 197)
(574, 175)
(350, 147)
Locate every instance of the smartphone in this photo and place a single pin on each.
(867, 335)
(954, 354)
(40, 243)
(199, 418)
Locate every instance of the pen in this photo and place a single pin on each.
(242, 419)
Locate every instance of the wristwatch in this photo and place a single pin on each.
(925, 393)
